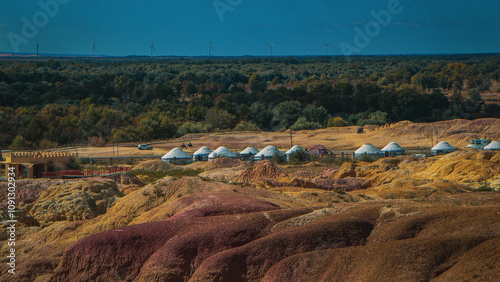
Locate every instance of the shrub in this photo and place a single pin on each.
(298, 157)
(336, 122)
(193, 127)
(303, 124)
(278, 159)
(246, 126)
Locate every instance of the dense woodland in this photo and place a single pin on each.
(46, 103)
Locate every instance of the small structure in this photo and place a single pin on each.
(295, 148)
(393, 149)
(222, 152)
(202, 154)
(319, 150)
(480, 142)
(248, 153)
(368, 150)
(493, 146)
(442, 148)
(474, 146)
(177, 156)
(267, 153)
(34, 164)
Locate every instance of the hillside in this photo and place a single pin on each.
(396, 219)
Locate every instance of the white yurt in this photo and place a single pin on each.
(295, 148)
(368, 149)
(493, 146)
(267, 153)
(222, 152)
(177, 156)
(249, 151)
(442, 148)
(474, 146)
(202, 154)
(393, 149)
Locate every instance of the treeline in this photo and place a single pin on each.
(55, 102)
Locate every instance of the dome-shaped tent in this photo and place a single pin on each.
(201, 154)
(267, 153)
(176, 155)
(442, 148)
(248, 153)
(295, 148)
(494, 146)
(368, 149)
(222, 152)
(393, 149)
(474, 146)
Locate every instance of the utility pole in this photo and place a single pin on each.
(291, 138)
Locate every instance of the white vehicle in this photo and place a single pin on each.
(145, 147)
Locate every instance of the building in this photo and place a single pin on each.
(267, 153)
(368, 150)
(177, 156)
(393, 149)
(493, 146)
(34, 164)
(319, 150)
(480, 142)
(248, 153)
(201, 154)
(295, 148)
(222, 152)
(442, 148)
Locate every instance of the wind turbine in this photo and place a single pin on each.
(210, 48)
(271, 47)
(152, 48)
(37, 48)
(94, 50)
(326, 47)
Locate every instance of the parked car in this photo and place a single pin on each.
(145, 147)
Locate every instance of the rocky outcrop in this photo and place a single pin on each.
(75, 201)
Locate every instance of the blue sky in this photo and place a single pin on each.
(242, 27)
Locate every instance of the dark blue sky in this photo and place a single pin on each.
(242, 27)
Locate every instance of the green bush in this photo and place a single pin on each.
(298, 157)
(246, 126)
(303, 124)
(337, 122)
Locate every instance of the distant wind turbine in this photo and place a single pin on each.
(94, 49)
(326, 47)
(152, 48)
(271, 47)
(210, 48)
(37, 48)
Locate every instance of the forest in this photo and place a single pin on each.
(45, 103)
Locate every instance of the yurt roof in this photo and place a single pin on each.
(176, 153)
(249, 151)
(368, 149)
(393, 147)
(268, 151)
(222, 152)
(202, 151)
(443, 146)
(474, 146)
(495, 145)
(294, 149)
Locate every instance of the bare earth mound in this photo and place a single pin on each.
(260, 171)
